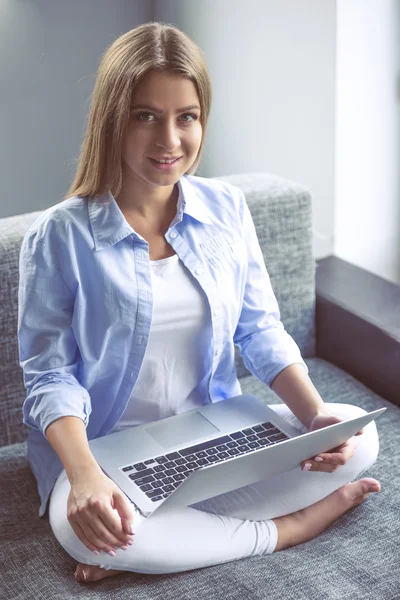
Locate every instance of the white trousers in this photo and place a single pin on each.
(229, 527)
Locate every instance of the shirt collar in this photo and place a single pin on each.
(109, 225)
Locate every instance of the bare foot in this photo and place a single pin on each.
(309, 522)
(85, 573)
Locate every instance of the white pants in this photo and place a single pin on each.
(229, 527)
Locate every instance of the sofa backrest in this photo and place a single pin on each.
(282, 215)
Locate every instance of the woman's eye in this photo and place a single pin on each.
(193, 117)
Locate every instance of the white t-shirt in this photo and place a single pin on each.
(175, 369)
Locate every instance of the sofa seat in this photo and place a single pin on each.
(355, 559)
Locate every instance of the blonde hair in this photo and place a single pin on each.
(152, 46)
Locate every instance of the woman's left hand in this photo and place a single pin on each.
(333, 460)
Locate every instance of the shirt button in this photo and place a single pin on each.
(217, 353)
(199, 270)
(173, 234)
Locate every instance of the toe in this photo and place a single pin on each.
(370, 485)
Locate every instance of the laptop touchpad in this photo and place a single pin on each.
(182, 429)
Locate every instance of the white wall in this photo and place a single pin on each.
(272, 65)
(49, 54)
(367, 210)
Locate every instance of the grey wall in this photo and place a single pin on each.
(49, 55)
(272, 64)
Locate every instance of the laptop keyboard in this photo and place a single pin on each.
(158, 477)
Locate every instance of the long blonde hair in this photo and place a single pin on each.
(152, 46)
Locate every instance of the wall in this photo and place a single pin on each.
(367, 206)
(273, 71)
(49, 54)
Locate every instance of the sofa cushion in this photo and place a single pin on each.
(356, 558)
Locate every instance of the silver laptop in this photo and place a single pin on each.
(208, 451)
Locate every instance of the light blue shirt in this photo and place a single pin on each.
(85, 308)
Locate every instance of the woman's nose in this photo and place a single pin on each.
(168, 136)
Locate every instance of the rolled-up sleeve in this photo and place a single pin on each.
(48, 352)
(264, 344)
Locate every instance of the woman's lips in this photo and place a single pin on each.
(165, 166)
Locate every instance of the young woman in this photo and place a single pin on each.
(133, 293)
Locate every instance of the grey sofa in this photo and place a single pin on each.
(346, 323)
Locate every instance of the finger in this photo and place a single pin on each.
(110, 526)
(336, 458)
(360, 432)
(322, 467)
(96, 533)
(87, 541)
(125, 512)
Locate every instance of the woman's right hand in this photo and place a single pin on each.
(99, 512)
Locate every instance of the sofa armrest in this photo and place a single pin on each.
(358, 325)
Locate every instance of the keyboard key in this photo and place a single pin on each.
(176, 484)
(213, 458)
(281, 436)
(127, 468)
(173, 455)
(181, 468)
(263, 434)
(168, 488)
(233, 451)
(139, 466)
(179, 477)
(268, 426)
(212, 451)
(144, 480)
(203, 461)
(167, 480)
(274, 431)
(237, 435)
(156, 498)
(201, 454)
(146, 487)
(248, 431)
(159, 475)
(233, 444)
(192, 465)
(221, 455)
(170, 472)
(154, 493)
(141, 474)
(253, 444)
(251, 438)
(191, 457)
(156, 484)
(264, 442)
(169, 465)
(160, 468)
(161, 460)
(165, 495)
(148, 462)
(204, 445)
(221, 448)
(243, 448)
(258, 428)
(277, 437)
(180, 461)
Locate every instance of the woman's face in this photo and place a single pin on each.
(164, 124)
